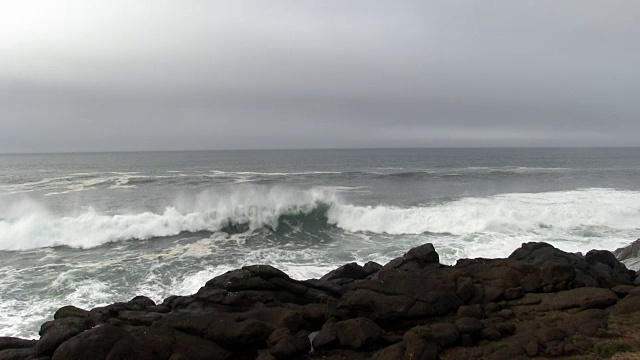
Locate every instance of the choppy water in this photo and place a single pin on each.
(91, 229)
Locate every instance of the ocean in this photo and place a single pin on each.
(96, 228)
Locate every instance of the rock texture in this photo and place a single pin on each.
(539, 302)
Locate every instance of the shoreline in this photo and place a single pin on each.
(540, 301)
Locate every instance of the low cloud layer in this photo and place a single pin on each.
(166, 75)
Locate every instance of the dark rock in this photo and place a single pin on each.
(417, 332)
(158, 339)
(17, 354)
(15, 343)
(195, 348)
(419, 258)
(505, 313)
(514, 293)
(371, 267)
(508, 352)
(492, 293)
(212, 295)
(553, 273)
(167, 301)
(178, 302)
(604, 257)
(347, 271)
(622, 290)
(492, 307)
(445, 334)
(236, 280)
(466, 340)
(358, 333)
(421, 349)
(327, 337)
(613, 271)
(628, 305)
(329, 287)
(469, 325)
(547, 334)
(583, 298)
(266, 272)
(192, 323)
(139, 317)
(531, 283)
(140, 303)
(531, 349)
(588, 322)
(506, 328)
(54, 333)
(424, 254)
(490, 334)
(595, 269)
(393, 352)
(376, 305)
(264, 354)
(628, 252)
(158, 309)
(102, 342)
(283, 344)
(472, 311)
(465, 289)
(70, 311)
(228, 332)
(258, 311)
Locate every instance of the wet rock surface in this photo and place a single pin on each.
(539, 302)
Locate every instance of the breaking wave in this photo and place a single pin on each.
(590, 212)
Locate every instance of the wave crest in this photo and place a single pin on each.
(591, 212)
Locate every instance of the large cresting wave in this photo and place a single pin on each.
(587, 212)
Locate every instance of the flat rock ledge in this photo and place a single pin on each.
(539, 302)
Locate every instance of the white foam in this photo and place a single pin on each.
(578, 214)
(255, 207)
(249, 176)
(506, 213)
(73, 183)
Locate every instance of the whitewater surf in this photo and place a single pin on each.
(92, 229)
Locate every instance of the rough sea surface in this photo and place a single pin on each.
(92, 229)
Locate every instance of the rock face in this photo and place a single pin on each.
(630, 255)
(539, 302)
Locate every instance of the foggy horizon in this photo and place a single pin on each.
(575, 147)
(89, 76)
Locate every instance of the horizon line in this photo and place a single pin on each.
(319, 149)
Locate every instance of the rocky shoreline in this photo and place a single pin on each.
(539, 302)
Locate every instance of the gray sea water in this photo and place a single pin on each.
(91, 229)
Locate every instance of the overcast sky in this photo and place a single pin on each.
(87, 75)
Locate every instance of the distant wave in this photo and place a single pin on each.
(127, 180)
(587, 212)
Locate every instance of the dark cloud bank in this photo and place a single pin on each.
(164, 75)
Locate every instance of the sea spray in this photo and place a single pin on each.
(569, 215)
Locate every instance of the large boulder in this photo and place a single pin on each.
(54, 333)
(327, 337)
(628, 252)
(284, 345)
(630, 255)
(17, 354)
(352, 271)
(597, 268)
(102, 342)
(421, 257)
(582, 298)
(358, 333)
(15, 343)
(262, 284)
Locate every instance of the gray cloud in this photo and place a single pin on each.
(159, 75)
